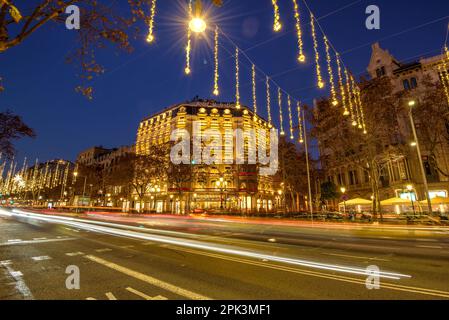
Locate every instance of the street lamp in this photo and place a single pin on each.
(410, 189)
(411, 104)
(343, 191)
(197, 24)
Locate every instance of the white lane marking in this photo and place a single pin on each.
(431, 247)
(34, 241)
(148, 243)
(127, 247)
(20, 284)
(70, 229)
(43, 238)
(103, 250)
(41, 258)
(355, 257)
(5, 262)
(15, 240)
(72, 254)
(90, 298)
(272, 240)
(110, 296)
(145, 296)
(148, 279)
(427, 240)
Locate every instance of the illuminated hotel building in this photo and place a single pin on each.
(234, 187)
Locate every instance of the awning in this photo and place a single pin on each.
(395, 201)
(437, 200)
(356, 202)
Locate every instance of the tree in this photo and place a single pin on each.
(101, 24)
(431, 115)
(140, 172)
(341, 143)
(12, 128)
(292, 171)
(328, 192)
(179, 177)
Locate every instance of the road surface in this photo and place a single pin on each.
(162, 258)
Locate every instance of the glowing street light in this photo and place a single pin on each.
(197, 23)
(343, 191)
(410, 189)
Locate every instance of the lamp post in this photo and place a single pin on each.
(85, 181)
(410, 189)
(411, 104)
(343, 191)
(221, 184)
(171, 203)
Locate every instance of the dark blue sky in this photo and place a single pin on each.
(40, 85)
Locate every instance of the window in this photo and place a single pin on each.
(380, 72)
(406, 84)
(413, 83)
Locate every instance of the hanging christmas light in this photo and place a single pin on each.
(362, 113)
(351, 107)
(290, 116)
(320, 81)
(298, 109)
(330, 72)
(447, 52)
(189, 41)
(443, 81)
(216, 75)
(281, 118)
(301, 56)
(150, 37)
(268, 99)
(254, 89)
(341, 85)
(357, 122)
(237, 79)
(277, 26)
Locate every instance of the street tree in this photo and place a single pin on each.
(343, 144)
(12, 128)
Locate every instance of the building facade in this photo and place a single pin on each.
(403, 169)
(216, 186)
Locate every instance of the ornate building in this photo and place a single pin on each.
(231, 186)
(402, 170)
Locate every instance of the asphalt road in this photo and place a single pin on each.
(177, 258)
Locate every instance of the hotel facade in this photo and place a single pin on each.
(226, 185)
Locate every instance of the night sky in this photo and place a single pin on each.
(40, 85)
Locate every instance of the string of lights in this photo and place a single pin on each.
(277, 25)
(216, 74)
(301, 134)
(281, 119)
(320, 81)
(301, 56)
(267, 83)
(443, 73)
(290, 117)
(341, 85)
(351, 106)
(237, 79)
(330, 72)
(253, 69)
(150, 37)
(187, 69)
(356, 121)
